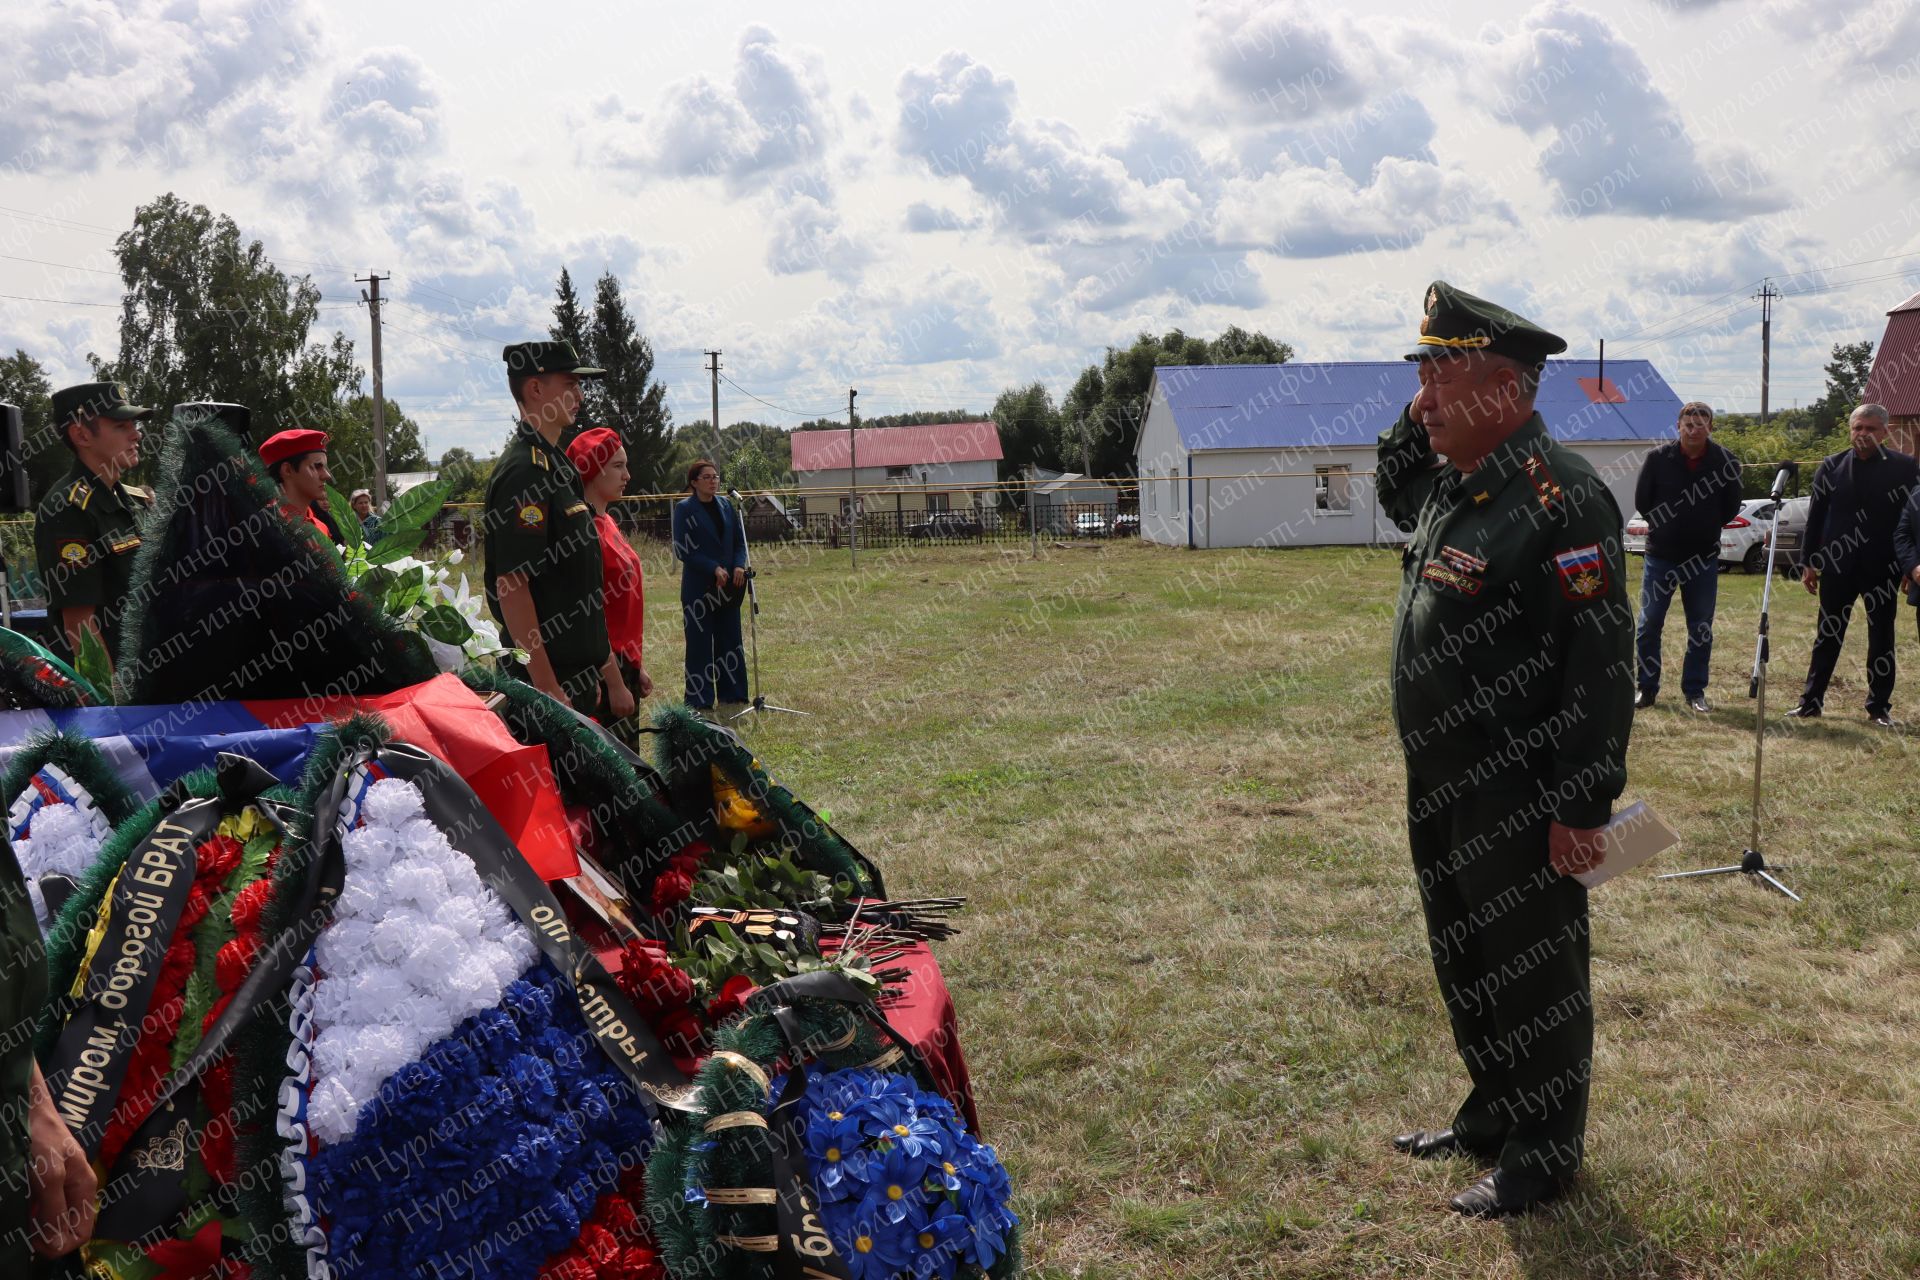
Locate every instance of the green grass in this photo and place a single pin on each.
(1193, 983)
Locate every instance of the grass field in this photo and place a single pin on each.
(1193, 982)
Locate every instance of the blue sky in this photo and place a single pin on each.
(934, 203)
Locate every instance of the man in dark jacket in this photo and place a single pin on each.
(1855, 501)
(1687, 491)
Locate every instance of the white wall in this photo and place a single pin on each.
(1163, 503)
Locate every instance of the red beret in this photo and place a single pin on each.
(289, 444)
(591, 451)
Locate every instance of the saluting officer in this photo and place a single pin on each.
(1513, 695)
(543, 571)
(86, 529)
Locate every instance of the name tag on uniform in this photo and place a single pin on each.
(1448, 576)
(575, 509)
(129, 543)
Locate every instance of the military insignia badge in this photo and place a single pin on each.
(1446, 575)
(532, 516)
(1545, 487)
(1583, 573)
(1462, 561)
(1481, 497)
(73, 552)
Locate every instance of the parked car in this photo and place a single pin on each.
(1743, 538)
(946, 524)
(1126, 525)
(1793, 535)
(1090, 524)
(1636, 540)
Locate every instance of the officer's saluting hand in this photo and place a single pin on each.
(1513, 696)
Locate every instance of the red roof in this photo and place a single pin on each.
(898, 446)
(1895, 380)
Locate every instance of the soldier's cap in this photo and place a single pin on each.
(1456, 322)
(91, 400)
(547, 357)
(291, 444)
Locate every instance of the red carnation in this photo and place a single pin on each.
(671, 889)
(731, 1000)
(249, 903)
(680, 1032)
(235, 957)
(217, 857)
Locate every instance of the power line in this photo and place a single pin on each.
(64, 266)
(63, 302)
(798, 413)
(468, 352)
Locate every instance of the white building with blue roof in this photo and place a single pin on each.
(1282, 455)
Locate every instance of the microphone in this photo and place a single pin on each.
(1788, 471)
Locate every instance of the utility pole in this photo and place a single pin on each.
(713, 367)
(853, 483)
(1766, 295)
(371, 296)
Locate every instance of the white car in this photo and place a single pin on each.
(1793, 534)
(1743, 539)
(1089, 524)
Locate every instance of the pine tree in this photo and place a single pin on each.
(633, 401)
(571, 324)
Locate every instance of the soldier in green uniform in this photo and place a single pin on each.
(47, 1187)
(543, 572)
(1513, 692)
(86, 529)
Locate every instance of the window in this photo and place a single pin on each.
(939, 502)
(1174, 476)
(1332, 494)
(899, 473)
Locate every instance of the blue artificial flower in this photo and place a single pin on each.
(895, 1185)
(872, 1249)
(941, 1242)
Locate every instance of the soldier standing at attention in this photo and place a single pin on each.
(543, 570)
(86, 529)
(1513, 687)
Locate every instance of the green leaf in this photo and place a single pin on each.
(392, 546)
(408, 589)
(375, 583)
(346, 517)
(413, 509)
(446, 624)
(92, 662)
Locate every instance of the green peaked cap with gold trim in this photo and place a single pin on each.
(1455, 321)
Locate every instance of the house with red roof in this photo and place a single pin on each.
(937, 467)
(1895, 378)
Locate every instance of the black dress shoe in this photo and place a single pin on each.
(1502, 1194)
(1642, 700)
(1431, 1144)
(1699, 705)
(1881, 720)
(1804, 712)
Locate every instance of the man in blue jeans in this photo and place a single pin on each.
(1687, 492)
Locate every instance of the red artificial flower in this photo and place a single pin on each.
(234, 959)
(249, 903)
(217, 857)
(568, 1266)
(649, 979)
(680, 1032)
(193, 1259)
(216, 1140)
(731, 1000)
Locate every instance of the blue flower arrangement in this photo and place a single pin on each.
(905, 1190)
(486, 1155)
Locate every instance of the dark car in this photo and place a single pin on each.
(946, 524)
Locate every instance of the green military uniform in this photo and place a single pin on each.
(1513, 692)
(86, 530)
(23, 989)
(537, 522)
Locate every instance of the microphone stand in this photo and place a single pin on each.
(1752, 862)
(759, 704)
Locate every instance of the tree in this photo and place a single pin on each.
(23, 382)
(207, 316)
(1029, 425)
(632, 401)
(751, 455)
(569, 318)
(468, 474)
(350, 450)
(1101, 415)
(1846, 384)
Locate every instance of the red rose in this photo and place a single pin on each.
(670, 890)
(680, 1032)
(731, 1000)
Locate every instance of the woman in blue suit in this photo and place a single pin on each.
(712, 546)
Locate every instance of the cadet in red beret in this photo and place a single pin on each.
(297, 461)
(602, 463)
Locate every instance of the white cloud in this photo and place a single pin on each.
(1283, 61)
(1320, 212)
(922, 217)
(807, 235)
(1615, 142)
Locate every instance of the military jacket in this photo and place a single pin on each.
(85, 534)
(23, 989)
(537, 522)
(1513, 637)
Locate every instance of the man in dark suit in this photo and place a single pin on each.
(1857, 497)
(712, 546)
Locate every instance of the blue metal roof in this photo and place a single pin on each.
(1348, 404)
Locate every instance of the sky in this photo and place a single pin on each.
(934, 203)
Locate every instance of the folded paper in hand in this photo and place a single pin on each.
(1635, 834)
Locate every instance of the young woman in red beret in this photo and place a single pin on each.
(602, 464)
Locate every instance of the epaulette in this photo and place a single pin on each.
(1545, 487)
(80, 494)
(540, 460)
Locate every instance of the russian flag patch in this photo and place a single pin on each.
(1583, 572)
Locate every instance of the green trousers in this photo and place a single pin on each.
(1509, 940)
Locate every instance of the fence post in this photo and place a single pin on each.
(1033, 520)
(1207, 491)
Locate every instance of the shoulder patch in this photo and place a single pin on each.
(532, 515)
(1582, 572)
(73, 553)
(1545, 487)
